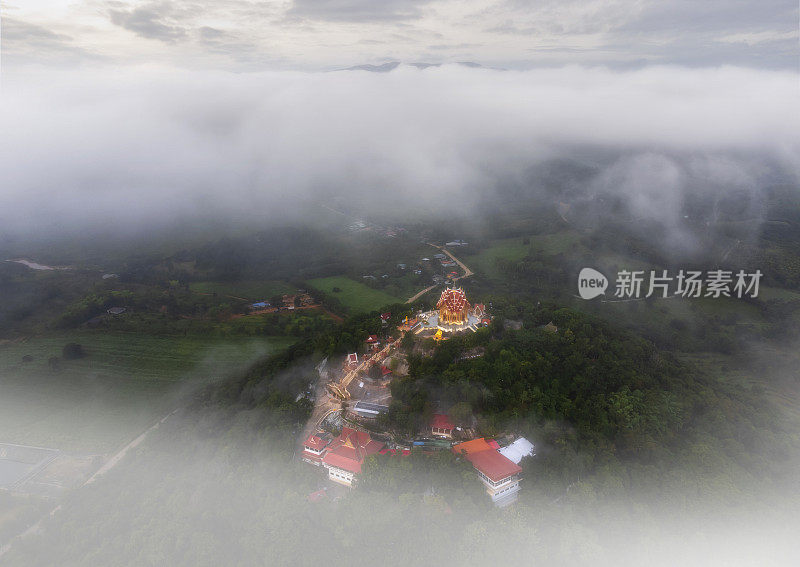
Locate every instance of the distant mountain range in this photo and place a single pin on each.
(392, 65)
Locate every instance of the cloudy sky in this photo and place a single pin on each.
(326, 34)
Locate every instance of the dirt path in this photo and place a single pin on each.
(413, 298)
(467, 273)
(324, 404)
(119, 455)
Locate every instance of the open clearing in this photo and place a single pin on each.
(508, 249)
(355, 296)
(517, 248)
(126, 380)
(251, 290)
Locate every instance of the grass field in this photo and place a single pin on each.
(127, 380)
(250, 290)
(509, 249)
(354, 295)
(401, 288)
(556, 243)
(517, 248)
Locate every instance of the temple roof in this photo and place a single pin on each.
(316, 442)
(350, 448)
(454, 299)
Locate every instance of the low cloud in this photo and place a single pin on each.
(145, 146)
(150, 21)
(358, 10)
(25, 42)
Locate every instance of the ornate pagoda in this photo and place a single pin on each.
(453, 307)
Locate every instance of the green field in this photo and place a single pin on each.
(516, 249)
(401, 288)
(354, 295)
(249, 290)
(556, 243)
(508, 249)
(96, 403)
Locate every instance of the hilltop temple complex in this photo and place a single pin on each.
(453, 314)
(453, 307)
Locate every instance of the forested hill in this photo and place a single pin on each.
(626, 438)
(599, 391)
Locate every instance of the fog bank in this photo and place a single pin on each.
(146, 145)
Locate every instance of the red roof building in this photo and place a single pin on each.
(385, 371)
(373, 340)
(441, 426)
(317, 496)
(494, 466)
(314, 448)
(498, 474)
(345, 455)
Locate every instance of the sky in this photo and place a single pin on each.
(248, 35)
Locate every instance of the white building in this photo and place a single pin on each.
(499, 475)
(517, 450)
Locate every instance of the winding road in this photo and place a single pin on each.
(467, 273)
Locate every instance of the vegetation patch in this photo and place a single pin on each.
(122, 382)
(354, 296)
(251, 290)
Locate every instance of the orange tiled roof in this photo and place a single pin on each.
(470, 447)
(486, 459)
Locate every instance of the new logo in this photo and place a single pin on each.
(591, 283)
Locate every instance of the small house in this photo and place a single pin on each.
(441, 426)
(314, 448)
